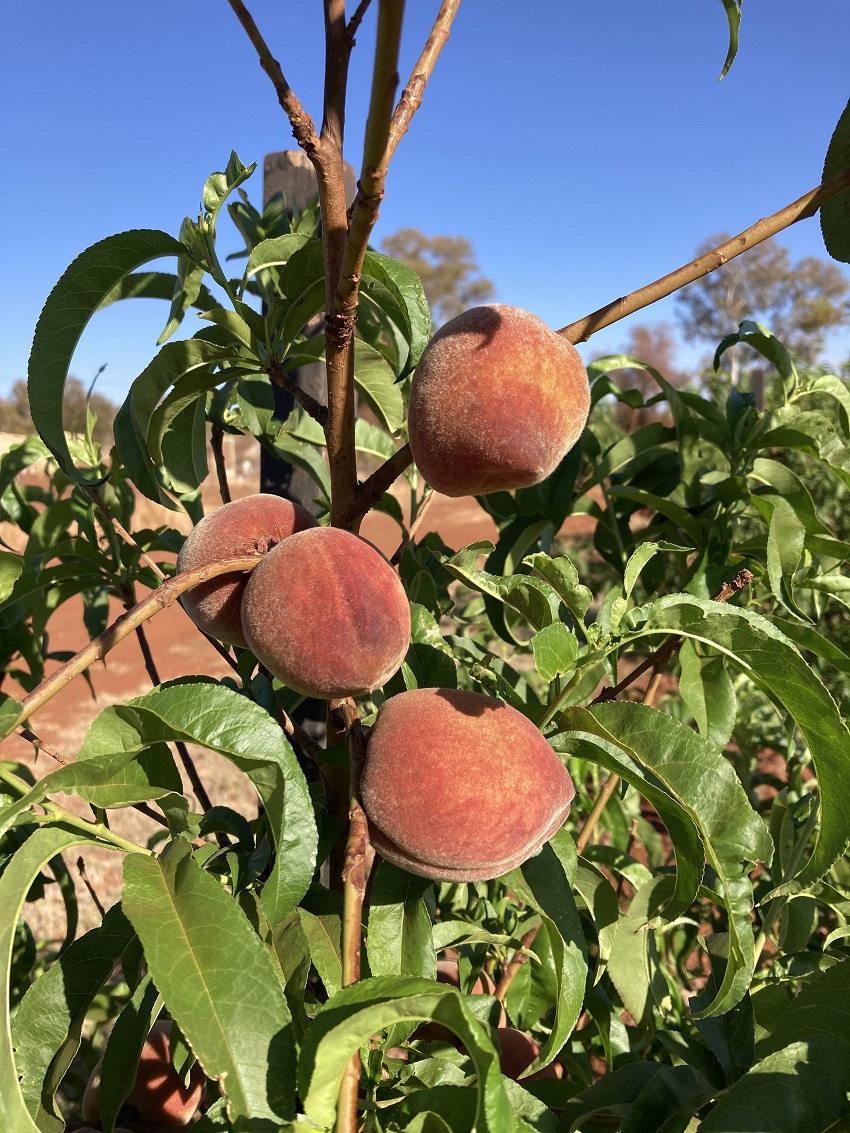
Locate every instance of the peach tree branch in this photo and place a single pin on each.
(122, 627)
(411, 96)
(801, 209)
(303, 128)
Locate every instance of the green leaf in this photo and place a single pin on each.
(399, 935)
(70, 305)
(397, 290)
(155, 285)
(731, 1037)
(706, 786)
(733, 15)
(800, 1089)
(176, 362)
(820, 1009)
(219, 185)
(217, 980)
(530, 597)
(48, 1023)
(555, 651)
(586, 739)
(635, 961)
(769, 346)
(123, 1049)
(600, 897)
(562, 576)
(835, 213)
(221, 720)
(545, 882)
(323, 935)
(758, 648)
(708, 693)
(20, 872)
(349, 1020)
(376, 381)
(11, 566)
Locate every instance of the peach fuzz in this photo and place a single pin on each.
(250, 526)
(325, 612)
(458, 786)
(497, 400)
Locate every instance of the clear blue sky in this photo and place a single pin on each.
(584, 149)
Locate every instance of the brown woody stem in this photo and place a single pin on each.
(800, 209)
(411, 97)
(315, 408)
(97, 649)
(303, 129)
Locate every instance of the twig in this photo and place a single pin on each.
(665, 652)
(342, 309)
(354, 876)
(356, 20)
(414, 527)
(373, 487)
(411, 97)
(40, 745)
(280, 378)
(806, 206)
(519, 958)
(98, 499)
(303, 128)
(84, 877)
(217, 445)
(126, 624)
(303, 738)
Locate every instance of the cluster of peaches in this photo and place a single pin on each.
(496, 402)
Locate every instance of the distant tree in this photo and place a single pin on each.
(799, 302)
(447, 267)
(15, 411)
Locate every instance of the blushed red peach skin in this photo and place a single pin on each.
(460, 787)
(250, 526)
(496, 402)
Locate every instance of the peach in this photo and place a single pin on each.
(519, 1050)
(497, 400)
(158, 1095)
(460, 787)
(325, 612)
(250, 526)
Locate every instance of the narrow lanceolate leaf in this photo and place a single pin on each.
(70, 305)
(400, 930)
(587, 740)
(555, 651)
(835, 213)
(634, 964)
(821, 1008)
(217, 980)
(48, 1024)
(376, 381)
(733, 15)
(123, 1049)
(800, 1089)
(545, 883)
(396, 290)
(323, 934)
(704, 783)
(770, 659)
(350, 1019)
(15, 882)
(221, 720)
(175, 362)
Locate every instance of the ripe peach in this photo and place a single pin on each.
(250, 526)
(158, 1095)
(325, 612)
(497, 400)
(460, 787)
(519, 1050)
